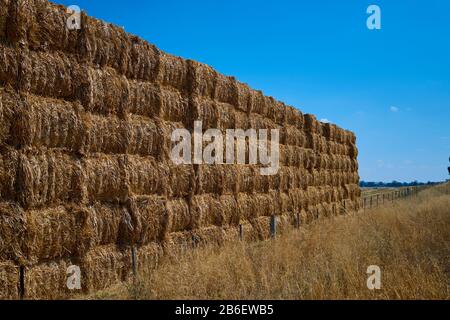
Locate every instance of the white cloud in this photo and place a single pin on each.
(394, 109)
(324, 120)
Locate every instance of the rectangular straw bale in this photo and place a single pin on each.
(105, 223)
(203, 79)
(230, 213)
(40, 24)
(294, 117)
(55, 233)
(48, 177)
(173, 72)
(179, 216)
(246, 205)
(12, 232)
(266, 204)
(10, 104)
(182, 181)
(227, 116)
(311, 123)
(9, 280)
(277, 112)
(220, 179)
(104, 44)
(292, 155)
(245, 178)
(147, 257)
(209, 236)
(8, 173)
(258, 103)
(51, 123)
(297, 197)
(244, 97)
(261, 227)
(105, 177)
(146, 176)
(4, 8)
(105, 134)
(150, 220)
(205, 211)
(104, 266)
(178, 243)
(143, 61)
(205, 110)
(9, 66)
(290, 135)
(49, 280)
(53, 75)
(226, 90)
(105, 92)
(144, 98)
(175, 107)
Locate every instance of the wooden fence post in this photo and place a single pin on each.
(273, 226)
(298, 220)
(241, 232)
(134, 260)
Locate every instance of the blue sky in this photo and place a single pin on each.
(390, 86)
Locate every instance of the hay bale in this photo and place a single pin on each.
(4, 8)
(245, 178)
(144, 98)
(203, 79)
(258, 103)
(47, 177)
(146, 176)
(150, 221)
(54, 75)
(209, 235)
(228, 117)
(104, 44)
(9, 280)
(104, 266)
(205, 211)
(219, 179)
(10, 104)
(179, 215)
(105, 224)
(246, 206)
(290, 135)
(9, 66)
(173, 72)
(182, 181)
(206, 110)
(175, 107)
(51, 123)
(12, 232)
(105, 92)
(277, 112)
(311, 123)
(226, 90)
(244, 100)
(55, 233)
(294, 117)
(8, 173)
(143, 60)
(230, 214)
(105, 178)
(105, 134)
(147, 257)
(49, 280)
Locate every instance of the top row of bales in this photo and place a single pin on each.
(39, 25)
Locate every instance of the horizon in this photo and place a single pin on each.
(390, 86)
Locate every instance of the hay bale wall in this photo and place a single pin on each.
(85, 173)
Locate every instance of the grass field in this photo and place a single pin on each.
(328, 259)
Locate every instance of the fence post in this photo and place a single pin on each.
(378, 200)
(273, 226)
(298, 220)
(134, 260)
(241, 232)
(371, 202)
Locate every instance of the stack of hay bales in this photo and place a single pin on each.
(85, 173)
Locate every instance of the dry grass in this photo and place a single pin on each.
(325, 260)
